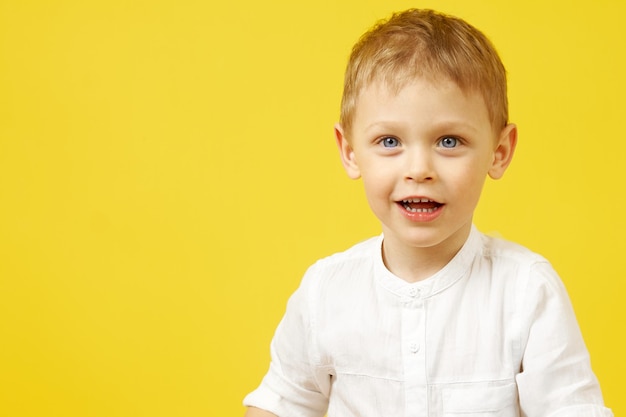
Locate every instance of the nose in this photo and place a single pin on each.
(419, 166)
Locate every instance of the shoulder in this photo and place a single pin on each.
(345, 268)
(505, 255)
(533, 274)
(364, 252)
(330, 280)
(506, 251)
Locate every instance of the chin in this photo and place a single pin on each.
(425, 238)
(421, 239)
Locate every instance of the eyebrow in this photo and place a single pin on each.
(443, 125)
(385, 124)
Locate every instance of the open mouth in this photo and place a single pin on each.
(420, 205)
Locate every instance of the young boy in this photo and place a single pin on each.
(432, 318)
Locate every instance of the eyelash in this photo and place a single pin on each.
(456, 142)
(384, 141)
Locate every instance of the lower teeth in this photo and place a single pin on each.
(420, 210)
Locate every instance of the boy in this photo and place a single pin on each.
(432, 318)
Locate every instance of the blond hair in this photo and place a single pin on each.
(425, 43)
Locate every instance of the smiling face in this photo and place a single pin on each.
(423, 154)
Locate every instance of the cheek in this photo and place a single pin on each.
(374, 186)
(469, 180)
(474, 169)
(378, 176)
(378, 188)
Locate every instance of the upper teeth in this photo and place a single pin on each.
(418, 200)
(407, 205)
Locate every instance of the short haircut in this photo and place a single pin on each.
(425, 43)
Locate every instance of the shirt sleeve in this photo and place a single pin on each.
(556, 378)
(294, 385)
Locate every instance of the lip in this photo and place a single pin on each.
(420, 208)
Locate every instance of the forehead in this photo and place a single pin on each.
(422, 100)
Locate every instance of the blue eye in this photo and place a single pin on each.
(449, 142)
(389, 142)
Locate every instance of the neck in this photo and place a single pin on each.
(413, 264)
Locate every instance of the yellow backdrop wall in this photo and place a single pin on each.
(168, 171)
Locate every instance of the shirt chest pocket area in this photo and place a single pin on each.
(480, 400)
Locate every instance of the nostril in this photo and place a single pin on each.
(419, 179)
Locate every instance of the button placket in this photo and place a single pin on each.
(413, 352)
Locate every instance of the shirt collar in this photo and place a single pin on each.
(447, 276)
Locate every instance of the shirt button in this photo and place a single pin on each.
(414, 292)
(414, 347)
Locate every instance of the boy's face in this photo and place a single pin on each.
(423, 154)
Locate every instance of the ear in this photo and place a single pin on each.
(348, 159)
(503, 154)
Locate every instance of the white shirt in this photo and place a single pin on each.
(491, 334)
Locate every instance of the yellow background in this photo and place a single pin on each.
(168, 171)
